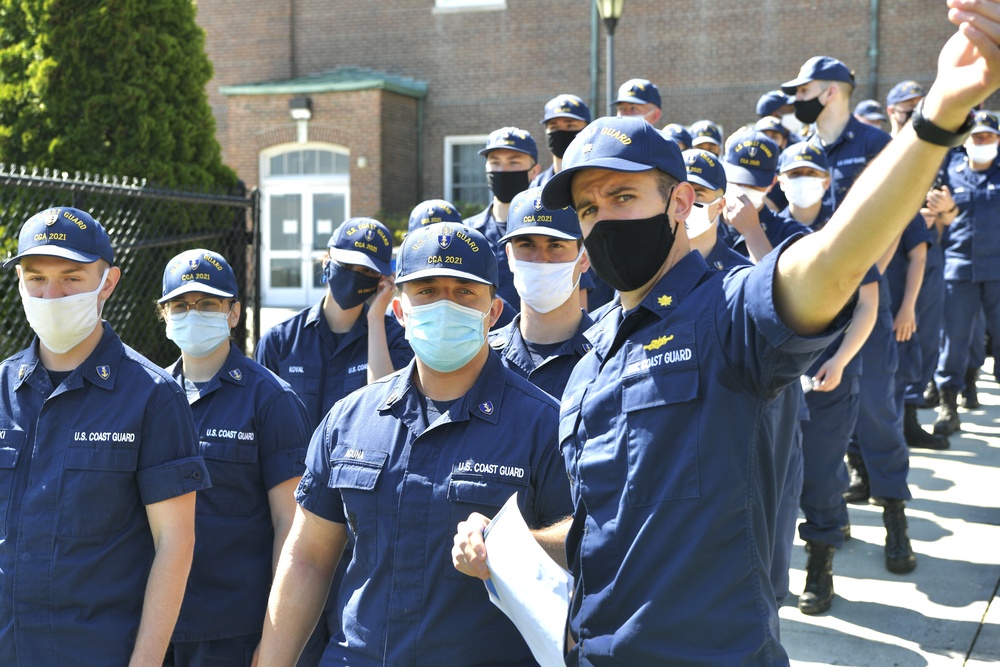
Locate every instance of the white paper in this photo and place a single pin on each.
(324, 227)
(527, 585)
(290, 226)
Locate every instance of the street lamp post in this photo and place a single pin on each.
(610, 11)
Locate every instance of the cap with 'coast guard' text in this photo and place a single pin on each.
(198, 270)
(63, 232)
(446, 249)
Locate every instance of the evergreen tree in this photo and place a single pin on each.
(108, 86)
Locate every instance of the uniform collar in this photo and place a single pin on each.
(481, 401)
(232, 371)
(317, 319)
(850, 132)
(100, 368)
(509, 343)
(672, 288)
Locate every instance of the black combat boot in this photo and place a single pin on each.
(947, 421)
(931, 397)
(970, 396)
(818, 593)
(916, 436)
(857, 488)
(899, 557)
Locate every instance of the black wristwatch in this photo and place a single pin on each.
(932, 134)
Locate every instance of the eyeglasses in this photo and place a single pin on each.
(207, 304)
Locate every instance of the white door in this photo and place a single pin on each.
(305, 196)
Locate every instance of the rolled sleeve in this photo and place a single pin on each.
(172, 479)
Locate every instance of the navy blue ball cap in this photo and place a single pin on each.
(803, 154)
(771, 124)
(527, 215)
(615, 143)
(448, 250)
(705, 169)
(771, 101)
(638, 91)
(198, 270)
(869, 109)
(751, 159)
(819, 68)
(566, 106)
(431, 211)
(903, 91)
(985, 121)
(705, 132)
(511, 138)
(677, 133)
(63, 232)
(362, 241)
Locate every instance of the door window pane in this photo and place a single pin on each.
(286, 222)
(286, 272)
(328, 213)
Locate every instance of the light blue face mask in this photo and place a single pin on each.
(196, 333)
(445, 335)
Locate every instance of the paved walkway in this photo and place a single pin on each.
(946, 612)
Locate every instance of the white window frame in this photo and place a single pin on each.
(450, 142)
(453, 6)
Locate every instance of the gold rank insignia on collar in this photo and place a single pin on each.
(104, 372)
(21, 371)
(665, 300)
(657, 343)
(236, 374)
(486, 408)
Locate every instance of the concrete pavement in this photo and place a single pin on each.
(946, 612)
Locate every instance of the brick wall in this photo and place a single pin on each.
(495, 68)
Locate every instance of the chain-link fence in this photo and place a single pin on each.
(147, 226)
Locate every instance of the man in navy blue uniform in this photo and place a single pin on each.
(662, 424)
(327, 351)
(511, 164)
(398, 464)
(343, 342)
(565, 115)
(545, 251)
(822, 93)
(971, 271)
(99, 468)
(252, 433)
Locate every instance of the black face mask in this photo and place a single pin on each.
(808, 110)
(348, 288)
(559, 141)
(506, 184)
(626, 254)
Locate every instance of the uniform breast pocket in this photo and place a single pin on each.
(357, 481)
(11, 443)
(237, 488)
(306, 382)
(486, 494)
(99, 494)
(662, 419)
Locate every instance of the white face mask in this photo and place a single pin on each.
(545, 285)
(756, 197)
(981, 153)
(791, 123)
(198, 334)
(62, 324)
(804, 191)
(698, 221)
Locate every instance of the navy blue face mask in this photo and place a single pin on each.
(348, 288)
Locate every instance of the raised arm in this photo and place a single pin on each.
(817, 275)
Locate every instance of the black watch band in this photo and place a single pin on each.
(932, 134)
